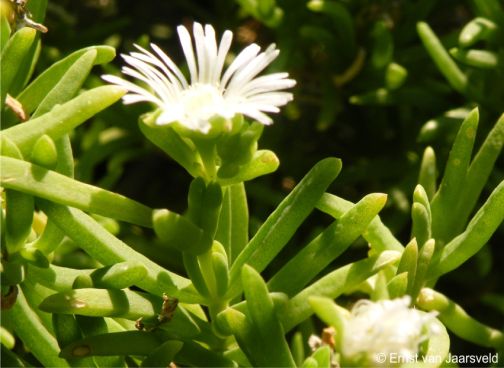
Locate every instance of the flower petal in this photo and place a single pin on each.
(254, 67)
(199, 41)
(186, 43)
(271, 82)
(155, 79)
(243, 58)
(170, 64)
(224, 45)
(131, 87)
(176, 80)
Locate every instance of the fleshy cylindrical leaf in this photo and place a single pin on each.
(395, 75)
(117, 343)
(263, 317)
(456, 78)
(163, 355)
(179, 232)
(477, 29)
(455, 318)
(118, 276)
(44, 152)
(283, 222)
(18, 219)
(327, 246)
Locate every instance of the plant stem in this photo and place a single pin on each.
(208, 153)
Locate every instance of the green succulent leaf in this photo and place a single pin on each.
(193, 354)
(63, 118)
(56, 277)
(37, 10)
(103, 302)
(310, 362)
(118, 276)
(478, 58)
(455, 318)
(424, 261)
(264, 319)
(18, 219)
(34, 335)
(263, 162)
(297, 348)
(118, 343)
(447, 196)
(283, 222)
(409, 262)
(69, 84)
(377, 234)
(421, 223)
(477, 29)
(108, 250)
(332, 285)
(479, 230)
(93, 326)
(479, 171)
(450, 70)
(49, 83)
(179, 232)
(395, 76)
(323, 356)
(220, 267)
(163, 355)
(45, 153)
(43, 183)
(383, 47)
(66, 331)
(327, 246)
(427, 177)
(121, 303)
(232, 231)
(5, 32)
(15, 56)
(398, 285)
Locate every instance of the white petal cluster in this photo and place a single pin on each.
(378, 331)
(212, 91)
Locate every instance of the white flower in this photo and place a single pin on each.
(387, 330)
(211, 92)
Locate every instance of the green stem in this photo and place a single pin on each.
(208, 154)
(215, 307)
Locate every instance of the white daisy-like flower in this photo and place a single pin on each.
(389, 329)
(211, 92)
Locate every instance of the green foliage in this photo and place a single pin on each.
(96, 271)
